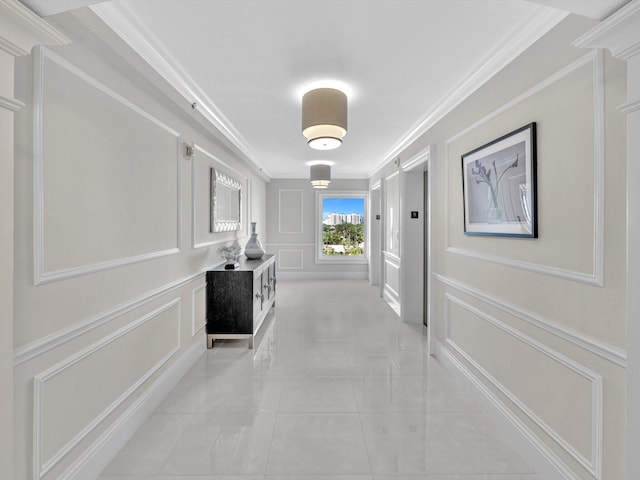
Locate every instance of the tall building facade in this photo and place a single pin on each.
(343, 218)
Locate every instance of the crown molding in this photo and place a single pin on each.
(128, 26)
(521, 37)
(620, 33)
(21, 29)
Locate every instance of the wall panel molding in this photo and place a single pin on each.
(122, 21)
(34, 349)
(600, 349)
(596, 276)
(11, 48)
(292, 275)
(40, 273)
(593, 464)
(419, 159)
(197, 325)
(11, 104)
(282, 253)
(630, 107)
(42, 466)
(292, 193)
(99, 454)
(545, 461)
(312, 245)
(390, 294)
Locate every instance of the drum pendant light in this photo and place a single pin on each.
(324, 118)
(320, 175)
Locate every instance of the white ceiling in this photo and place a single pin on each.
(407, 61)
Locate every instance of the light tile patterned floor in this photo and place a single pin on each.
(338, 389)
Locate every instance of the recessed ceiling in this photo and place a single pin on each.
(407, 61)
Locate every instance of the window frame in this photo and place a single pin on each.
(340, 259)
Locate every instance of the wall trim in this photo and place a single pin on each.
(281, 268)
(40, 275)
(600, 349)
(11, 104)
(618, 29)
(11, 48)
(53, 340)
(522, 37)
(39, 30)
(291, 244)
(594, 464)
(95, 458)
(392, 297)
(195, 328)
(522, 265)
(129, 27)
(547, 82)
(543, 460)
(392, 257)
(40, 466)
(630, 107)
(389, 294)
(309, 275)
(420, 158)
(280, 190)
(596, 277)
(396, 172)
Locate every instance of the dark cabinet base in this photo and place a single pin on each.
(239, 300)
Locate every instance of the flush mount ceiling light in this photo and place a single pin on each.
(324, 118)
(320, 175)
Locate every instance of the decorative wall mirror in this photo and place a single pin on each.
(226, 203)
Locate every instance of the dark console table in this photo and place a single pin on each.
(239, 300)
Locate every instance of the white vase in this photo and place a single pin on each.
(253, 249)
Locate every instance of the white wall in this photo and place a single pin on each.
(20, 30)
(291, 229)
(412, 244)
(112, 241)
(536, 327)
(6, 277)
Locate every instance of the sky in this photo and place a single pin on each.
(342, 205)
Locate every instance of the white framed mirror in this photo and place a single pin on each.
(226, 202)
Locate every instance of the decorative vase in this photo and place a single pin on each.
(494, 215)
(253, 249)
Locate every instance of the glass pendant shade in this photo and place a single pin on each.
(320, 176)
(324, 118)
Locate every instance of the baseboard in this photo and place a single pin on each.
(541, 458)
(322, 275)
(94, 460)
(392, 301)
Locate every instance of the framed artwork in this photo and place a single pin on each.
(499, 186)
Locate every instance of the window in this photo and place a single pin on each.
(341, 228)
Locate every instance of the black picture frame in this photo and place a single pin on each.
(499, 186)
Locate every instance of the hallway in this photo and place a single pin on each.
(338, 388)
